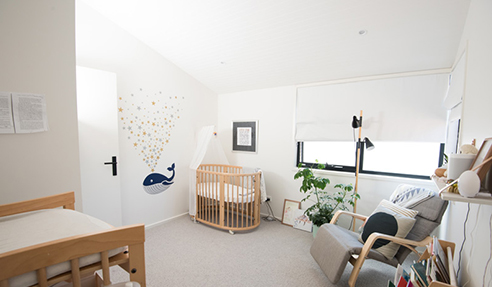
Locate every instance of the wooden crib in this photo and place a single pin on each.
(226, 198)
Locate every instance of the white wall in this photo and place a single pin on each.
(476, 40)
(275, 111)
(275, 108)
(38, 56)
(142, 74)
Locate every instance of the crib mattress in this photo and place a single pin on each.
(31, 228)
(233, 193)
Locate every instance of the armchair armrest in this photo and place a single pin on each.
(410, 244)
(353, 215)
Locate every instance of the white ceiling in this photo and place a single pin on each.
(238, 45)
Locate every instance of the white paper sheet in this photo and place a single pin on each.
(29, 113)
(6, 118)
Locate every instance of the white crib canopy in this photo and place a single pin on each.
(208, 150)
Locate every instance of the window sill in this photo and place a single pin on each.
(375, 177)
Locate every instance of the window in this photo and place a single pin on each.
(403, 116)
(404, 159)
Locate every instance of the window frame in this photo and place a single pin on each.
(343, 168)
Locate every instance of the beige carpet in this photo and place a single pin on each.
(180, 252)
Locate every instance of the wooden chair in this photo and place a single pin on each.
(334, 245)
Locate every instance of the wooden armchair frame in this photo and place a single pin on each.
(359, 260)
(38, 257)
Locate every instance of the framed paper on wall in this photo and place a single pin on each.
(288, 215)
(244, 136)
(484, 153)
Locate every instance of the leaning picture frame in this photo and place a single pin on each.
(288, 214)
(484, 153)
(301, 221)
(245, 136)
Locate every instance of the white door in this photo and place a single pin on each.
(98, 144)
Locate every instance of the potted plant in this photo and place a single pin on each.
(325, 203)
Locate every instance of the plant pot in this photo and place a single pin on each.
(315, 230)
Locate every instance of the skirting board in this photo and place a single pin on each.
(265, 215)
(186, 213)
(163, 221)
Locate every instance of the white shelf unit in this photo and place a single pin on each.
(457, 197)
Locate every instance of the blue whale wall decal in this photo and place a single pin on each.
(156, 183)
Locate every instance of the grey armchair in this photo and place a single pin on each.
(334, 246)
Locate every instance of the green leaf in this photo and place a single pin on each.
(326, 202)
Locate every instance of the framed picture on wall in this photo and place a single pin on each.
(290, 209)
(484, 153)
(244, 136)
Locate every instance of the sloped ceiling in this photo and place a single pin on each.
(238, 45)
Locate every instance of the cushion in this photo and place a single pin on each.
(388, 221)
(408, 195)
(399, 209)
(396, 208)
(432, 208)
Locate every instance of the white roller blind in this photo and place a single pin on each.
(394, 109)
(456, 87)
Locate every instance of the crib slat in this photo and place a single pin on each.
(204, 201)
(240, 202)
(197, 192)
(42, 278)
(237, 204)
(228, 223)
(199, 206)
(241, 196)
(211, 200)
(217, 201)
(207, 200)
(217, 184)
(222, 199)
(204, 196)
(202, 212)
(214, 200)
(250, 198)
(244, 201)
(257, 198)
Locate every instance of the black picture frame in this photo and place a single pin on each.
(244, 136)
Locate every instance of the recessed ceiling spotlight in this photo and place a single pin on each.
(362, 32)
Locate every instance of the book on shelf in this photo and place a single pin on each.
(441, 260)
(419, 269)
(402, 282)
(436, 264)
(398, 273)
(414, 280)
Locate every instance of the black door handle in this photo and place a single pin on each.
(114, 163)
